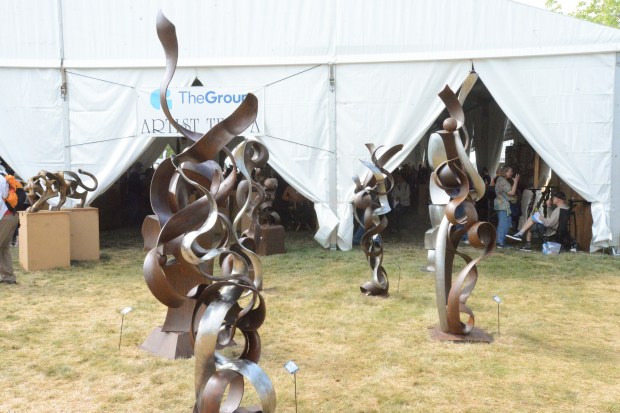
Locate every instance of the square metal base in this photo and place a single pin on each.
(171, 345)
(476, 335)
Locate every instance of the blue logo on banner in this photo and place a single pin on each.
(155, 99)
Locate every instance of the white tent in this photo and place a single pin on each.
(333, 75)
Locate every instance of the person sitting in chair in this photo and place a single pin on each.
(544, 227)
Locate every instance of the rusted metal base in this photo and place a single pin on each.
(171, 345)
(476, 335)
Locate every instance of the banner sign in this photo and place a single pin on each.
(194, 108)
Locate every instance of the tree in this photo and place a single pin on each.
(605, 12)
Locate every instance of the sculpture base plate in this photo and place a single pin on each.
(171, 345)
(476, 335)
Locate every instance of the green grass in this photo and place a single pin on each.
(558, 350)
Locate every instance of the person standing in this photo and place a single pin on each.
(504, 192)
(8, 223)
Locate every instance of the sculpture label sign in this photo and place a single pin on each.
(195, 108)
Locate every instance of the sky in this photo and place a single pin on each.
(567, 5)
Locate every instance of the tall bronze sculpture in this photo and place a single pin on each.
(180, 269)
(454, 174)
(371, 199)
(62, 184)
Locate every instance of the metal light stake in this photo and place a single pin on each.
(497, 300)
(124, 311)
(292, 368)
(398, 285)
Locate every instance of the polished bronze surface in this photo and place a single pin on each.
(371, 201)
(62, 184)
(454, 176)
(199, 257)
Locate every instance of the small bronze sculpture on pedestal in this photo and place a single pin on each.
(63, 184)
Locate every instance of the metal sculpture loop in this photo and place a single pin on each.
(195, 235)
(371, 199)
(62, 184)
(454, 175)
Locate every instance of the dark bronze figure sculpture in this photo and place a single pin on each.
(371, 199)
(454, 175)
(180, 269)
(63, 184)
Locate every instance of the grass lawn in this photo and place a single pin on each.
(559, 348)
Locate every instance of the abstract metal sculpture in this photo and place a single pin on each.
(220, 303)
(74, 183)
(263, 222)
(454, 174)
(371, 199)
(256, 194)
(266, 215)
(63, 184)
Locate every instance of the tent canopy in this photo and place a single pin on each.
(333, 76)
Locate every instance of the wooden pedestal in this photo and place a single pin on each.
(84, 224)
(271, 240)
(44, 240)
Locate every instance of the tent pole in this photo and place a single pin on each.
(614, 208)
(536, 169)
(64, 91)
(333, 175)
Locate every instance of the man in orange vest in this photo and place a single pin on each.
(8, 223)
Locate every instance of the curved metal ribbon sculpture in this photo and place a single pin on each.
(62, 184)
(371, 198)
(266, 215)
(256, 194)
(189, 234)
(453, 175)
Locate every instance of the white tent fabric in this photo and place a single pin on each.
(336, 74)
(485, 138)
(397, 104)
(567, 130)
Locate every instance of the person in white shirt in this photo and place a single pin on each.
(8, 223)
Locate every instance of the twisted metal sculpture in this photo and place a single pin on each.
(256, 195)
(62, 184)
(453, 174)
(371, 198)
(220, 303)
(267, 216)
(75, 183)
(263, 230)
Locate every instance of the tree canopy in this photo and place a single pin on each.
(605, 12)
